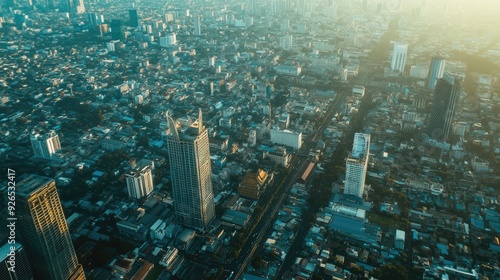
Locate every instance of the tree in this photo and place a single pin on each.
(391, 272)
(257, 262)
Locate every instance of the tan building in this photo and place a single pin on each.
(44, 232)
(253, 184)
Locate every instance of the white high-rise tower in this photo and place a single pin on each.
(139, 182)
(399, 54)
(356, 165)
(190, 171)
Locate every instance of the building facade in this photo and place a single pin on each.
(197, 25)
(134, 18)
(399, 53)
(44, 231)
(286, 138)
(21, 269)
(436, 71)
(45, 146)
(139, 182)
(356, 165)
(190, 170)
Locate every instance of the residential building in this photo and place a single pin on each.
(356, 165)
(45, 146)
(399, 53)
(139, 182)
(44, 231)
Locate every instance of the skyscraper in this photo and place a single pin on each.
(356, 165)
(190, 170)
(45, 146)
(21, 268)
(134, 19)
(44, 232)
(139, 182)
(436, 71)
(399, 53)
(444, 105)
(117, 29)
(197, 25)
(74, 6)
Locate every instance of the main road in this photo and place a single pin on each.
(298, 163)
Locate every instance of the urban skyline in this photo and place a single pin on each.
(255, 139)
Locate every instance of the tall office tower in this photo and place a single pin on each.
(436, 71)
(68, 6)
(92, 19)
(44, 232)
(139, 182)
(197, 25)
(79, 6)
(399, 53)
(253, 6)
(134, 18)
(45, 146)
(117, 29)
(446, 97)
(356, 165)
(16, 258)
(73, 6)
(190, 171)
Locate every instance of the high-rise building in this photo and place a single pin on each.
(436, 71)
(134, 18)
(356, 165)
(117, 29)
(197, 25)
(44, 232)
(190, 171)
(444, 105)
(45, 146)
(139, 182)
(92, 19)
(399, 54)
(14, 264)
(73, 6)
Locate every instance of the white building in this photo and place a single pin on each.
(138, 99)
(252, 138)
(357, 164)
(399, 240)
(286, 138)
(399, 54)
(157, 230)
(170, 39)
(45, 146)
(139, 182)
(480, 165)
